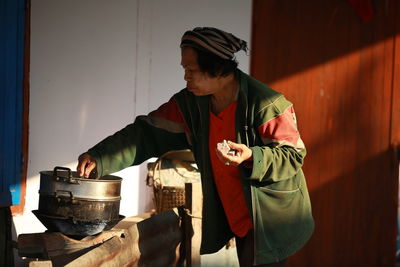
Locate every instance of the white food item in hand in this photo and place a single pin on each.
(224, 148)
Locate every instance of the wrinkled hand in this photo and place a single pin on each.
(242, 153)
(86, 166)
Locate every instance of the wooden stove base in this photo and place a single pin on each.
(160, 234)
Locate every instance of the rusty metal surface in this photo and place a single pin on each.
(79, 209)
(73, 227)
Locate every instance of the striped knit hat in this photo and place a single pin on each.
(218, 42)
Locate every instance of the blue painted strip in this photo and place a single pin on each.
(12, 16)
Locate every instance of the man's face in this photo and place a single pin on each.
(197, 82)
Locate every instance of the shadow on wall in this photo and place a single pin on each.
(347, 165)
(365, 219)
(324, 24)
(350, 167)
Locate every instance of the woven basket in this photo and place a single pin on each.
(167, 197)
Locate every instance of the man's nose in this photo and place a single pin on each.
(186, 76)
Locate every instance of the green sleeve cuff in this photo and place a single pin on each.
(259, 163)
(97, 158)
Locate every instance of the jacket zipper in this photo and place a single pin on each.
(246, 132)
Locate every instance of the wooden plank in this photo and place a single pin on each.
(194, 208)
(113, 251)
(343, 77)
(49, 245)
(395, 126)
(140, 240)
(159, 239)
(40, 263)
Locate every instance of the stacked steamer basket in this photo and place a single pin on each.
(77, 206)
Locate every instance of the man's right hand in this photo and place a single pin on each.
(86, 166)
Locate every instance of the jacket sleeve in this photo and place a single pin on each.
(282, 151)
(148, 136)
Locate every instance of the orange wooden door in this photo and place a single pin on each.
(343, 77)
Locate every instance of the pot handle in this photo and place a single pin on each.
(55, 171)
(64, 193)
(67, 179)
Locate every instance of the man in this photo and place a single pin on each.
(246, 144)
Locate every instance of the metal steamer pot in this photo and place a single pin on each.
(78, 206)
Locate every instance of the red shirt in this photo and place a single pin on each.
(227, 178)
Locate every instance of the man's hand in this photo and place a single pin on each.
(238, 154)
(86, 164)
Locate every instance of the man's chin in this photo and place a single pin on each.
(197, 93)
(192, 90)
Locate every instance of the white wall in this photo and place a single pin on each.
(170, 19)
(82, 84)
(95, 65)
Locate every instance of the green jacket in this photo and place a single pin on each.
(275, 187)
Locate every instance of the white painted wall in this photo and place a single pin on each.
(95, 66)
(170, 19)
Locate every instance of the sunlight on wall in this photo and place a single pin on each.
(31, 203)
(135, 197)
